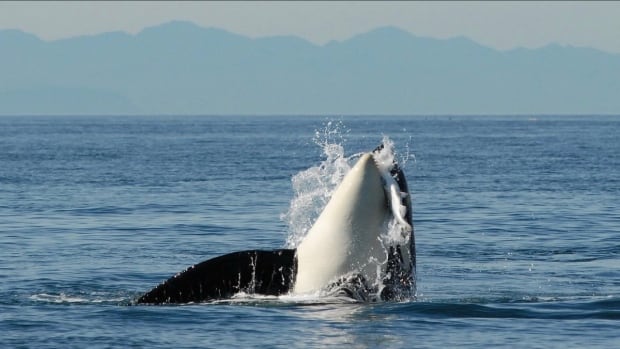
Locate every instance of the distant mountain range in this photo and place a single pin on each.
(181, 68)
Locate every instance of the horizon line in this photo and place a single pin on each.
(334, 115)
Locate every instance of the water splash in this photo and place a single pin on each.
(314, 187)
(398, 229)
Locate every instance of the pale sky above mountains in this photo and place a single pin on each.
(501, 25)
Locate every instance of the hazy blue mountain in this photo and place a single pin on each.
(181, 68)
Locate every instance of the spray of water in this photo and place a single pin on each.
(314, 186)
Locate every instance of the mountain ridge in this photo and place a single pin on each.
(182, 68)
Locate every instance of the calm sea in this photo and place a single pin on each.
(517, 223)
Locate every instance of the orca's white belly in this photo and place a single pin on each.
(345, 237)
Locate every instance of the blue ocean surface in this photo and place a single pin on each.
(517, 225)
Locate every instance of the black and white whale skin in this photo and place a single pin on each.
(341, 255)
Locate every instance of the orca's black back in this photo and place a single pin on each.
(254, 271)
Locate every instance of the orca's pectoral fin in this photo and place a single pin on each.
(254, 271)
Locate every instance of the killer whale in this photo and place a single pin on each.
(341, 254)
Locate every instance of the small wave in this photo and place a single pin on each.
(63, 298)
(243, 298)
(533, 308)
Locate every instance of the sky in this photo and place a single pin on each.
(500, 25)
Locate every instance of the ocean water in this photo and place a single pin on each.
(517, 223)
